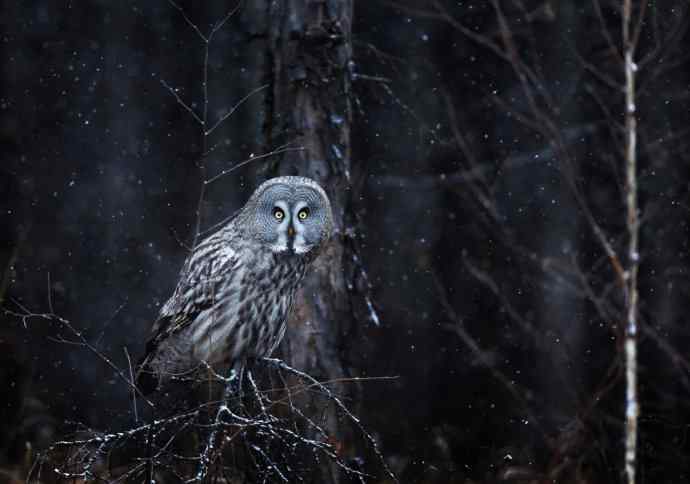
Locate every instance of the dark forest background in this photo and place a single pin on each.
(486, 142)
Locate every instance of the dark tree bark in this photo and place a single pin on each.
(308, 56)
(307, 48)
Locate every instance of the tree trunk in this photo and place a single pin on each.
(307, 48)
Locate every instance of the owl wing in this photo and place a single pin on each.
(211, 264)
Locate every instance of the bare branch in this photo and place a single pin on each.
(606, 31)
(234, 108)
(282, 149)
(182, 103)
(82, 341)
(131, 378)
(189, 22)
(224, 20)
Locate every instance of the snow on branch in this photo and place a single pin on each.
(255, 430)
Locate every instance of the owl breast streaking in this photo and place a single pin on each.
(238, 285)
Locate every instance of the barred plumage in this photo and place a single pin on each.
(238, 285)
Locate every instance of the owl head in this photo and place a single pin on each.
(288, 214)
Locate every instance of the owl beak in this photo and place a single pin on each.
(291, 231)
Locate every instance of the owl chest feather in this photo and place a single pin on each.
(250, 309)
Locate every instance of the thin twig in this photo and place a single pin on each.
(234, 108)
(188, 20)
(26, 315)
(277, 151)
(131, 377)
(181, 102)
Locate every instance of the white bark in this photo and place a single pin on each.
(632, 405)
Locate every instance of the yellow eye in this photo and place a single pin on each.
(303, 214)
(278, 213)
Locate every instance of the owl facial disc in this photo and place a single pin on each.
(288, 215)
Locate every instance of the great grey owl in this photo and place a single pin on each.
(237, 286)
